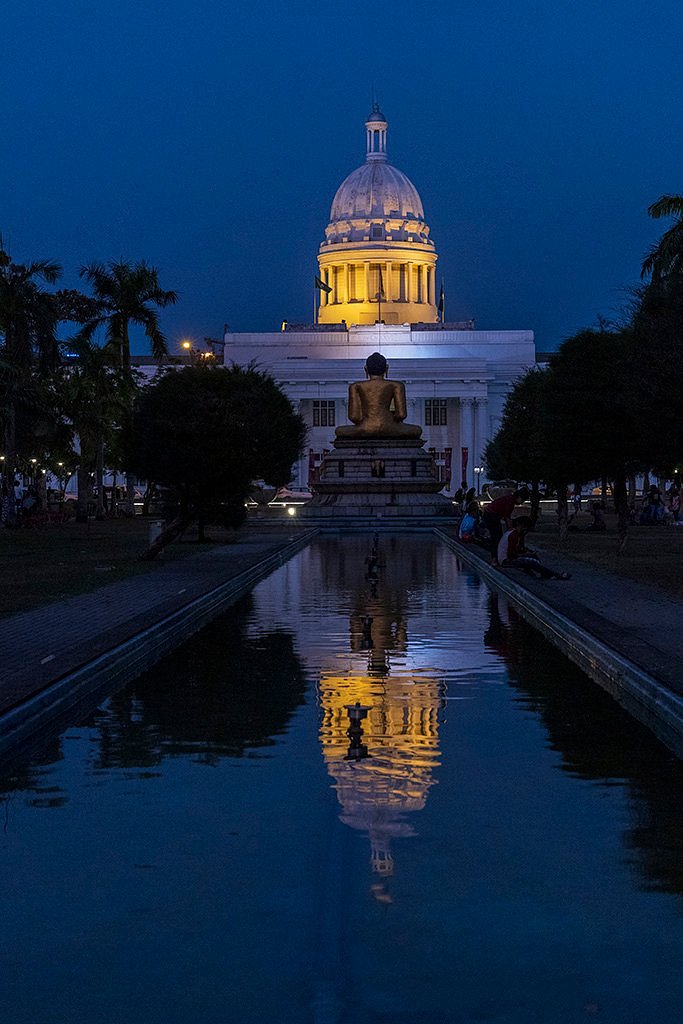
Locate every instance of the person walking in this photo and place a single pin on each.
(497, 517)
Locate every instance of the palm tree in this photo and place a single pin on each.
(96, 395)
(127, 294)
(666, 257)
(28, 321)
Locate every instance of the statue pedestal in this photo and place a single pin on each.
(377, 477)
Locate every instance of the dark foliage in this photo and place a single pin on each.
(208, 432)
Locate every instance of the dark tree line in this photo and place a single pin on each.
(203, 433)
(608, 405)
(206, 433)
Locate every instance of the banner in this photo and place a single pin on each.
(448, 452)
(465, 458)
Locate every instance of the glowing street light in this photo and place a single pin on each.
(478, 470)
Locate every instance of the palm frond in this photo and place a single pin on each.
(153, 332)
(666, 256)
(666, 206)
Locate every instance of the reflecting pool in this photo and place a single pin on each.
(216, 843)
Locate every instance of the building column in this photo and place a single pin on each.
(388, 291)
(347, 273)
(467, 438)
(409, 282)
(367, 282)
(302, 463)
(482, 429)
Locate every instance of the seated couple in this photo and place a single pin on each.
(514, 554)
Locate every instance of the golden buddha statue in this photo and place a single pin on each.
(377, 407)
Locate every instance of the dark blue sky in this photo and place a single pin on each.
(209, 138)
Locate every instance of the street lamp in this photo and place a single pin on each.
(478, 470)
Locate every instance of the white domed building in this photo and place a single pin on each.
(377, 258)
(379, 264)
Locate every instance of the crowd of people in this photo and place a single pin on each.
(504, 536)
(495, 528)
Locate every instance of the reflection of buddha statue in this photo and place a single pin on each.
(377, 407)
(382, 791)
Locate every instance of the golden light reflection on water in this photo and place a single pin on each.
(382, 778)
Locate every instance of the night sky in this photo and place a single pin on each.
(209, 138)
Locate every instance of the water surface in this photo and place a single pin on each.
(502, 844)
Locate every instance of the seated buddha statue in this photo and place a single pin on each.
(377, 406)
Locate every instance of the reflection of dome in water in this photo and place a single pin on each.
(401, 734)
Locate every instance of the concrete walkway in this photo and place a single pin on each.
(39, 647)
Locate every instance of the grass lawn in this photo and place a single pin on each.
(47, 563)
(654, 554)
(43, 564)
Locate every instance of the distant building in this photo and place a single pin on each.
(378, 263)
(377, 258)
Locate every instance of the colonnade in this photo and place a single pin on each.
(471, 431)
(359, 282)
(474, 431)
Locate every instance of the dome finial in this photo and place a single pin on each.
(376, 132)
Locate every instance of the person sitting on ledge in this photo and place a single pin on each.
(513, 553)
(377, 407)
(469, 531)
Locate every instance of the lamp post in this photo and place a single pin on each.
(478, 470)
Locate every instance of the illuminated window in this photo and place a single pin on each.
(416, 283)
(376, 276)
(435, 412)
(323, 414)
(352, 284)
(403, 282)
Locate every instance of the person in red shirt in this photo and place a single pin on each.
(514, 554)
(500, 511)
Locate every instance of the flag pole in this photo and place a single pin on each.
(380, 287)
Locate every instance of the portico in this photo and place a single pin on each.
(456, 380)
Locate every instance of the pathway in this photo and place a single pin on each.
(41, 646)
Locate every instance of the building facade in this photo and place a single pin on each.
(377, 258)
(379, 263)
(456, 382)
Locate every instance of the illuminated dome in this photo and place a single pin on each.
(376, 190)
(377, 258)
